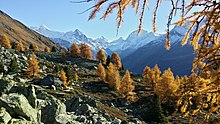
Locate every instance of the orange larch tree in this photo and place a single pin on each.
(86, 51)
(33, 68)
(113, 77)
(47, 49)
(126, 84)
(116, 60)
(63, 78)
(74, 50)
(100, 71)
(20, 46)
(101, 56)
(5, 41)
(167, 87)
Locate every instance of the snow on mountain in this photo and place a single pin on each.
(133, 41)
(179, 58)
(67, 38)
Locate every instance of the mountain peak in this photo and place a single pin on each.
(77, 32)
(43, 27)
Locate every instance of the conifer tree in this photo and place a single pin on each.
(63, 78)
(113, 77)
(20, 46)
(108, 60)
(74, 50)
(31, 47)
(47, 49)
(100, 56)
(33, 68)
(116, 60)
(151, 76)
(166, 86)
(126, 84)
(53, 49)
(86, 51)
(100, 71)
(156, 112)
(14, 65)
(5, 41)
(63, 57)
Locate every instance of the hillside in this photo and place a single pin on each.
(16, 31)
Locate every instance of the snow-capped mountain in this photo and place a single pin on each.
(179, 58)
(132, 42)
(67, 38)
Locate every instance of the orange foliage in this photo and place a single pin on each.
(100, 71)
(33, 68)
(63, 78)
(47, 49)
(86, 51)
(5, 41)
(113, 77)
(74, 50)
(116, 60)
(20, 46)
(126, 84)
(101, 56)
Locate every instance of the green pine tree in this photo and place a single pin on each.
(14, 65)
(156, 112)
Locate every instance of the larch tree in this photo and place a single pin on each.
(47, 49)
(116, 60)
(63, 78)
(33, 68)
(86, 51)
(202, 33)
(100, 71)
(113, 77)
(166, 86)
(151, 76)
(100, 56)
(20, 46)
(74, 50)
(126, 85)
(5, 41)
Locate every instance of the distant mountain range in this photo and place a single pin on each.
(16, 31)
(137, 50)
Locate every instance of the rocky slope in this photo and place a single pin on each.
(87, 101)
(16, 31)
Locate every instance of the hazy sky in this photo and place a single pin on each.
(61, 15)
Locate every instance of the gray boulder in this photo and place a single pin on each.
(28, 92)
(49, 80)
(6, 85)
(17, 105)
(4, 116)
(20, 121)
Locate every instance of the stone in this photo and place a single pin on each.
(6, 85)
(17, 105)
(20, 121)
(4, 116)
(49, 80)
(73, 103)
(53, 109)
(81, 119)
(28, 92)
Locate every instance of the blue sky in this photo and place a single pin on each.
(61, 15)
